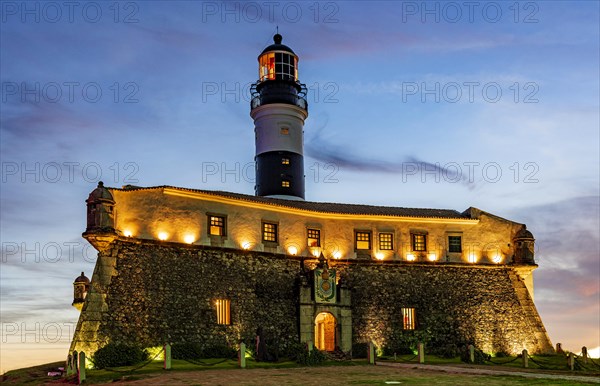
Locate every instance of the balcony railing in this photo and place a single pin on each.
(279, 93)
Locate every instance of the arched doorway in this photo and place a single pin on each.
(325, 324)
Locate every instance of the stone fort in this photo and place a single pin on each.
(211, 267)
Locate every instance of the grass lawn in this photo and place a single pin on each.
(36, 375)
(539, 362)
(356, 372)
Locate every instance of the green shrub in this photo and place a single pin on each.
(360, 350)
(447, 351)
(299, 352)
(191, 350)
(397, 349)
(118, 354)
(480, 356)
(294, 351)
(220, 351)
(405, 342)
(315, 357)
(186, 351)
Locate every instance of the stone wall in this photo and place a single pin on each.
(161, 293)
(149, 292)
(453, 305)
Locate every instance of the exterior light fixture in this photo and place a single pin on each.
(189, 239)
(432, 257)
(163, 236)
(127, 233)
(410, 257)
(292, 250)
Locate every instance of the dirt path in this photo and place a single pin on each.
(477, 371)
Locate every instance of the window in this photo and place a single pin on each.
(419, 242)
(278, 65)
(285, 66)
(269, 232)
(386, 241)
(216, 225)
(363, 240)
(223, 308)
(285, 161)
(408, 318)
(314, 237)
(455, 244)
(285, 131)
(285, 184)
(267, 66)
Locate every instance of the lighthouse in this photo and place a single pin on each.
(278, 108)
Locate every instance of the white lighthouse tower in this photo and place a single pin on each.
(279, 109)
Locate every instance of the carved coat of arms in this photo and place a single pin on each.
(325, 291)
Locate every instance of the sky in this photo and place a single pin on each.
(448, 105)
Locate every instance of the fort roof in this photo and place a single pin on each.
(322, 207)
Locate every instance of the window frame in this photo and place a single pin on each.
(209, 217)
(309, 238)
(278, 65)
(409, 318)
(390, 241)
(267, 66)
(275, 232)
(414, 243)
(460, 249)
(223, 311)
(356, 240)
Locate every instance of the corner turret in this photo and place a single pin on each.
(524, 247)
(100, 230)
(81, 286)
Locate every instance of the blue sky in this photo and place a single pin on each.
(499, 102)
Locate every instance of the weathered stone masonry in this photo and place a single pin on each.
(148, 292)
(160, 292)
(454, 305)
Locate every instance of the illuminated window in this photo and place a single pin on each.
(216, 225)
(285, 161)
(269, 232)
(454, 244)
(267, 67)
(386, 241)
(223, 308)
(363, 240)
(408, 318)
(419, 242)
(278, 65)
(314, 237)
(285, 131)
(285, 184)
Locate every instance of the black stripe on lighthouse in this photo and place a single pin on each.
(280, 173)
